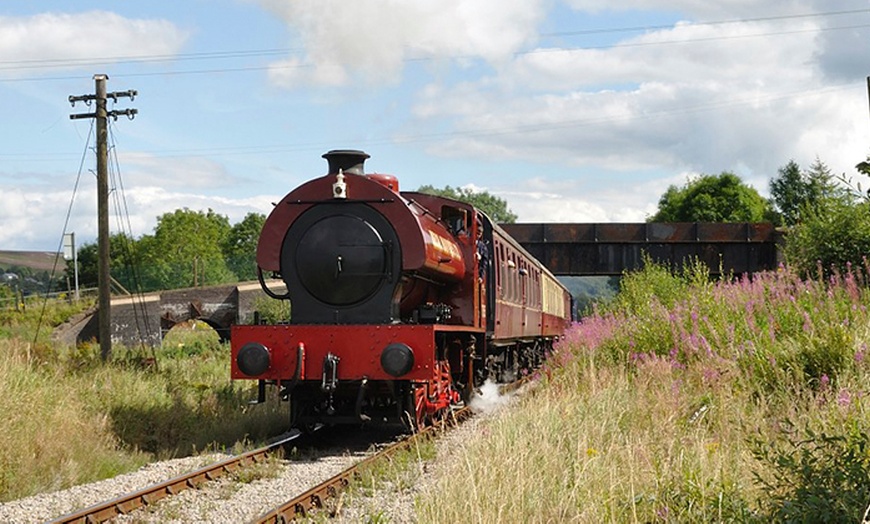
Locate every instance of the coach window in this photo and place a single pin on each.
(500, 270)
(513, 271)
(536, 293)
(508, 275)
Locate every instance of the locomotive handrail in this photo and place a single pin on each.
(285, 296)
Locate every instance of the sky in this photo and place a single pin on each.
(571, 110)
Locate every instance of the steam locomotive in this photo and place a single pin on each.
(402, 302)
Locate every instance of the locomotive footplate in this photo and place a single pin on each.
(360, 373)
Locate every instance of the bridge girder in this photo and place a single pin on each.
(612, 248)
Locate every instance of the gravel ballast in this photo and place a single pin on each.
(229, 501)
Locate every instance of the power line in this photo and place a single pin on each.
(501, 130)
(16, 65)
(249, 69)
(645, 28)
(87, 62)
(694, 40)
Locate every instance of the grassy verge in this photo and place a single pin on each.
(685, 401)
(70, 418)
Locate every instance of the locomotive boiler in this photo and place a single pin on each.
(402, 302)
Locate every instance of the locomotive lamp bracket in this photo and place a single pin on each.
(330, 380)
(339, 188)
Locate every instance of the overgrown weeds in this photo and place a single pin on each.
(686, 400)
(70, 418)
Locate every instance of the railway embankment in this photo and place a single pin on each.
(682, 400)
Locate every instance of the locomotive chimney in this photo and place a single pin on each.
(347, 160)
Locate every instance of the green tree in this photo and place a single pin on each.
(835, 233)
(123, 262)
(832, 236)
(794, 192)
(712, 198)
(185, 250)
(495, 207)
(240, 246)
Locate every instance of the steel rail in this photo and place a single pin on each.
(301, 505)
(131, 501)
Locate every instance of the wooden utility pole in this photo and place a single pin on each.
(103, 274)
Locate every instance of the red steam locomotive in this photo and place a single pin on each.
(402, 303)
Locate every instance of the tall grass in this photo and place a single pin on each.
(686, 400)
(70, 418)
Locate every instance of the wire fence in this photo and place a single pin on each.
(18, 299)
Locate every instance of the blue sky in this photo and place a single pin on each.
(571, 110)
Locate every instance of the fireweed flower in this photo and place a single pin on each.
(844, 398)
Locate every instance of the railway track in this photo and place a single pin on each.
(315, 498)
(132, 501)
(299, 506)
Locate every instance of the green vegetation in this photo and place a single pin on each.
(828, 222)
(20, 319)
(831, 238)
(794, 192)
(685, 400)
(69, 418)
(494, 207)
(589, 290)
(712, 198)
(188, 248)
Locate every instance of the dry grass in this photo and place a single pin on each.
(597, 445)
(50, 438)
(70, 419)
(736, 402)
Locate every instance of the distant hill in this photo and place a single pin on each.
(36, 260)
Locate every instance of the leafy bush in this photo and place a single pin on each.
(655, 283)
(833, 238)
(815, 476)
(272, 311)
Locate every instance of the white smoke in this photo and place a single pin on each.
(488, 398)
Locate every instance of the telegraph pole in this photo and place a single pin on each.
(103, 276)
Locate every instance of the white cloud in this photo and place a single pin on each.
(371, 40)
(726, 99)
(549, 200)
(683, 55)
(33, 218)
(67, 39)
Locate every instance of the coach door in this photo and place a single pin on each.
(524, 290)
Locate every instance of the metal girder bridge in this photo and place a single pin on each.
(612, 248)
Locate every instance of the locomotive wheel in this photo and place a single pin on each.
(412, 412)
(300, 412)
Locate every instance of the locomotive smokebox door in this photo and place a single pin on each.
(341, 262)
